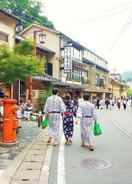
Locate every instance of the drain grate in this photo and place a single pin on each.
(25, 179)
(92, 163)
(29, 169)
(32, 161)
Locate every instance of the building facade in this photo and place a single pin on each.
(82, 67)
(119, 89)
(8, 24)
(49, 51)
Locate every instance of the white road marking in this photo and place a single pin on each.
(122, 130)
(44, 177)
(61, 163)
(1, 172)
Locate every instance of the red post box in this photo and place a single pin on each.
(9, 121)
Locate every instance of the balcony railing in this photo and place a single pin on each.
(73, 59)
(98, 62)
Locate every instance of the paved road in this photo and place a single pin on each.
(111, 161)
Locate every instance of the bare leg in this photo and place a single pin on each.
(49, 140)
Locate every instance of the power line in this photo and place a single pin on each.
(123, 30)
(108, 13)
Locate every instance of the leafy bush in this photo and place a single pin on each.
(43, 96)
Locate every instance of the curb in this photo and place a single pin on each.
(8, 144)
(10, 172)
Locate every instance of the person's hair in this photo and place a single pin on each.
(55, 91)
(67, 97)
(86, 97)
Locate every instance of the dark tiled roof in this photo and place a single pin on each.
(9, 15)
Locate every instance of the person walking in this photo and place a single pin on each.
(98, 103)
(28, 110)
(107, 103)
(124, 104)
(87, 114)
(119, 103)
(68, 119)
(102, 103)
(54, 109)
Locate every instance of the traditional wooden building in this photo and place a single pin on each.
(48, 49)
(8, 24)
(82, 69)
(119, 89)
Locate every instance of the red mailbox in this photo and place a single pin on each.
(9, 121)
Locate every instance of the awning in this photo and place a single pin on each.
(60, 83)
(45, 78)
(97, 90)
(45, 49)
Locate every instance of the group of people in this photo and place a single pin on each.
(65, 110)
(24, 110)
(110, 103)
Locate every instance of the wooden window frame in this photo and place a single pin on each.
(5, 37)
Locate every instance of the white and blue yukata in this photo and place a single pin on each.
(54, 107)
(87, 114)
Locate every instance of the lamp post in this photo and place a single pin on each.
(42, 37)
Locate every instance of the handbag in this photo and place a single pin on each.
(45, 123)
(97, 129)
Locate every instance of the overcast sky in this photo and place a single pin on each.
(104, 26)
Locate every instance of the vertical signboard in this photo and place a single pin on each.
(67, 60)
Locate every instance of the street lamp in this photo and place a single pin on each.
(42, 37)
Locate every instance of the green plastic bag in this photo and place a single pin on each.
(45, 123)
(97, 129)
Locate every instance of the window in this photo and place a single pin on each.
(75, 74)
(97, 80)
(49, 69)
(3, 36)
(76, 53)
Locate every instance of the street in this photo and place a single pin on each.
(53, 68)
(33, 162)
(110, 162)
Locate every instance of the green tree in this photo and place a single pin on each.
(28, 11)
(129, 92)
(17, 66)
(44, 95)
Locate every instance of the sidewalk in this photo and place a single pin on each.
(32, 165)
(25, 136)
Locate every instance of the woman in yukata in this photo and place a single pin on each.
(68, 119)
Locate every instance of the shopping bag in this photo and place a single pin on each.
(33, 118)
(45, 123)
(97, 129)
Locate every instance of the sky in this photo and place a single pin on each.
(103, 26)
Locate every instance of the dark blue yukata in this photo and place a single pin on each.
(68, 120)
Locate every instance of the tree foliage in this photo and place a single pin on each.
(44, 95)
(17, 66)
(26, 47)
(29, 11)
(129, 92)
